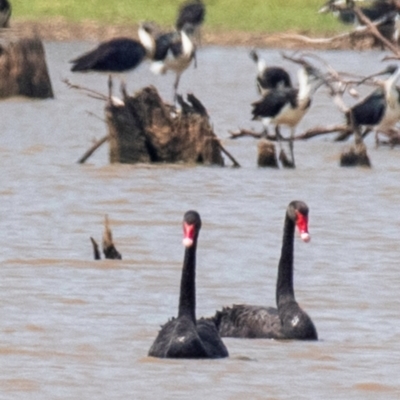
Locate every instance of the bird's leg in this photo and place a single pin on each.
(176, 83)
(291, 146)
(286, 163)
(195, 60)
(279, 140)
(365, 133)
(278, 136)
(358, 137)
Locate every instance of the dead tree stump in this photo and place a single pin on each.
(355, 156)
(143, 128)
(266, 154)
(23, 69)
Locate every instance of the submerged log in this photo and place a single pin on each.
(23, 69)
(142, 129)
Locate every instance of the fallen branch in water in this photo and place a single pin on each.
(245, 132)
(229, 155)
(320, 130)
(372, 28)
(89, 152)
(90, 92)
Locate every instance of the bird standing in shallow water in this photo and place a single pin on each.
(184, 337)
(288, 320)
(287, 106)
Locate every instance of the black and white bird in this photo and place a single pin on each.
(269, 77)
(173, 51)
(287, 320)
(384, 11)
(379, 111)
(287, 106)
(5, 13)
(115, 55)
(184, 336)
(191, 12)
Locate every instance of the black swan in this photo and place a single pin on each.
(288, 321)
(183, 337)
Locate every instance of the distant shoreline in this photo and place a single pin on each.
(59, 29)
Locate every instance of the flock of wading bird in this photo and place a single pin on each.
(281, 103)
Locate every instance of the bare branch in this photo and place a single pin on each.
(89, 152)
(90, 92)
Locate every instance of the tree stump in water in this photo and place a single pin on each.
(23, 69)
(266, 154)
(355, 156)
(144, 129)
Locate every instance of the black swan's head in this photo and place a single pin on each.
(191, 227)
(298, 212)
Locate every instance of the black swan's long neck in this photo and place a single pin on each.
(187, 299)
(284, 286)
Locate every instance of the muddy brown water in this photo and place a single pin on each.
(74, 328)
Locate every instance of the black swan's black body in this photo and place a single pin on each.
(184, 337)
(115, 55)
(288, 320)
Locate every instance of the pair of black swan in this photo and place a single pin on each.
(184, 337)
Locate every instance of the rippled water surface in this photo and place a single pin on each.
(73, 328)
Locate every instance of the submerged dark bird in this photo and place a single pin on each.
(288, 320)
(115, 55)
(269, 77)
(5, 13)
(183, 337)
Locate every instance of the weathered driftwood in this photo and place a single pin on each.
(143, 129)
(266, 154)
(23, 69)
